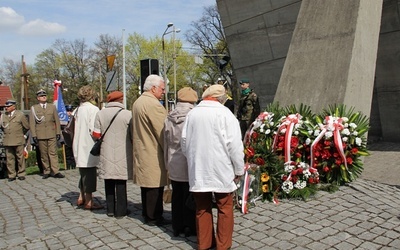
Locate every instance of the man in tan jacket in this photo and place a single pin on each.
(14, 125)
(45, 129)
(148, 116)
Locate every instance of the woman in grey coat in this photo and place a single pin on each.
(183, 216)
(116, 153)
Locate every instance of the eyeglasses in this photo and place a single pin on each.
(163, 89)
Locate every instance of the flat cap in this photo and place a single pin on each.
(215, 90)
(187, 94)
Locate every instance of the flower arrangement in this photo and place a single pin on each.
(339, 141)
(295, 151)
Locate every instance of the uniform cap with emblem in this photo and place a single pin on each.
(10, 103)
(41, 92)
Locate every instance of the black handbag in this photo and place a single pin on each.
(97, 145)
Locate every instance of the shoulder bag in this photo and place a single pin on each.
(97, 145)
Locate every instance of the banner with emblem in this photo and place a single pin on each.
(59, 102)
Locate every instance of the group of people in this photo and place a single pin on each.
(45, 131)
(197, 146)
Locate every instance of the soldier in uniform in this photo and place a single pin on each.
(249, 106)
(46, 131)
(14, 124)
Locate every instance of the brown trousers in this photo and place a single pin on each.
(15, 154)
(206, 238)
(48, 152)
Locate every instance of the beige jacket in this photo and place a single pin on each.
(148, 116)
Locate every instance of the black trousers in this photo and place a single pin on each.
(152, 203)
(182, 215)
(116, 197)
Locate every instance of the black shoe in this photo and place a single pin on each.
(45, 176)
(58, 175)
(11, 179)
(175, 233)
(187, 231)
(21, 178)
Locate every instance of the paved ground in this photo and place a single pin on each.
(41, 214)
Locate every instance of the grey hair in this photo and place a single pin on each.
(152, 80)
(222, 98)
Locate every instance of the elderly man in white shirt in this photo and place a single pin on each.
(211, 142)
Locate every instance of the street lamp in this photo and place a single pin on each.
(174, 58)
(164, 65)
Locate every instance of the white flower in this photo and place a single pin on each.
(308, 141)
(358, 141)
(355, 133)
(328, 134)
(346, 131)
(353, 125)
(271, 124)
(316, 132)
(296, 132)
(306, 173)
(346, 125)
(345, 139)
(287, 186)
(345, 119)
(297, 125)
(283, 131)
(310, 132)
(268, 131)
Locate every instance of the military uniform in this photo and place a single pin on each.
(249, 109)
(46, 130)
(14, 125)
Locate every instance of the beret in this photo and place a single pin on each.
(187, 94)
(115, 96)
(244, 80)
(215, 90)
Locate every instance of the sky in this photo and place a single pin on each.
(27, 27)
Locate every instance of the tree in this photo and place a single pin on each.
(207, 33)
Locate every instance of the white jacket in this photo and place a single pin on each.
(83, 141)
(211, 141)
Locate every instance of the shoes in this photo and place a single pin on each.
(21, 178)
(93, 207)
(175, 232)
(45, 176)
(80, 202)
(159, 222)
(187, 231)
(11, 179)
(58, 175)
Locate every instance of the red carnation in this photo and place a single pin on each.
(260, 161)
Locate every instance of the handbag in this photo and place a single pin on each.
(69, 130)
(97, 145)
(167, 195)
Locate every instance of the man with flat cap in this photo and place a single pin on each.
(15, 125)
(45, 130)
(213, 148)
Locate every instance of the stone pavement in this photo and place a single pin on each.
(41, 214)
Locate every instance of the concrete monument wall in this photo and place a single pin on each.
(259, 33)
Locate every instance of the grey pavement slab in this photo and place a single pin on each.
(42, 214)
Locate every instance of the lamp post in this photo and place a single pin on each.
(174, 58)
(123, 68)
(165, 65)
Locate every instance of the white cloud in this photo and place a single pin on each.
(39, 27)
(10, 19)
